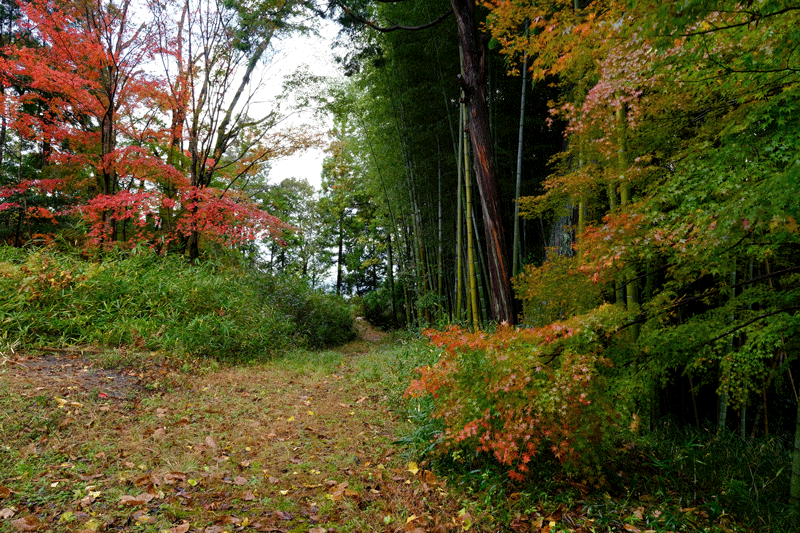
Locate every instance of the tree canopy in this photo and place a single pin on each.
(136, 120)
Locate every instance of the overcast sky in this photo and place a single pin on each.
(317, 53)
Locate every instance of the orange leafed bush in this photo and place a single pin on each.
(517, 393)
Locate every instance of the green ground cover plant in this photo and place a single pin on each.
(217, 309)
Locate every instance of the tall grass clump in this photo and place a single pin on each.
(211, 309)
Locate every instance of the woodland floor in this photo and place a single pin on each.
(95, 440)
(130, 442)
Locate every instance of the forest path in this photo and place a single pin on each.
(302, 443)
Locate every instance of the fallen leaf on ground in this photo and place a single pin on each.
(339, 491)
(170, 478)
(182, 528)
(26, 523)
(91, 526)
(133, 501)
(429, 477)
(8, 512)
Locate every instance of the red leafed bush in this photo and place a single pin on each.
(518, 393)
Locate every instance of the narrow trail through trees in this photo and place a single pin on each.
(303, 443)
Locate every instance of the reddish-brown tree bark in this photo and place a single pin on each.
(473, 80)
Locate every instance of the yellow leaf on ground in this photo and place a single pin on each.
(413, 468)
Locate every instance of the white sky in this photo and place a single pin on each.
(317, 52)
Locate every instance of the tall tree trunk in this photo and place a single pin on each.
(439, 253)
(794, 490)
(474, 53)
(516, 241)
(340, 255)
(460, 159)
(390, 275)
(726, 365)
(473, 288)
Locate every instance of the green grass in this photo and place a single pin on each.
(219, 310)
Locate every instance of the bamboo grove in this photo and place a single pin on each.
(653, 153)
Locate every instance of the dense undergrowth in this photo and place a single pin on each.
(545, 437)
(674, 478)
(219, 309)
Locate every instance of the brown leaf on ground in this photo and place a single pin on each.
(339, 491)
(181, 528)
(134, 501)
(428, 477)
(171, 478)
(6, 513)
(5, 492)
(26, 523)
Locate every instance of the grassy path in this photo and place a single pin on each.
(125, 442)
(105, 441)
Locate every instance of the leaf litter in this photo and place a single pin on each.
(278, 447)
(268, 447)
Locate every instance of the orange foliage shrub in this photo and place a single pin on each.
(518, 393)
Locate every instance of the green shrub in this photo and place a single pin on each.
(319, 320)
(377, 308)
(162, 303)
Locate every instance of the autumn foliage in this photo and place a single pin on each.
(102, 104)
(681, 166)
(516, 394)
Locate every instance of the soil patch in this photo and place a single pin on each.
(68, 373)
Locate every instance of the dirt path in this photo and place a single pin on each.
(299, 444)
